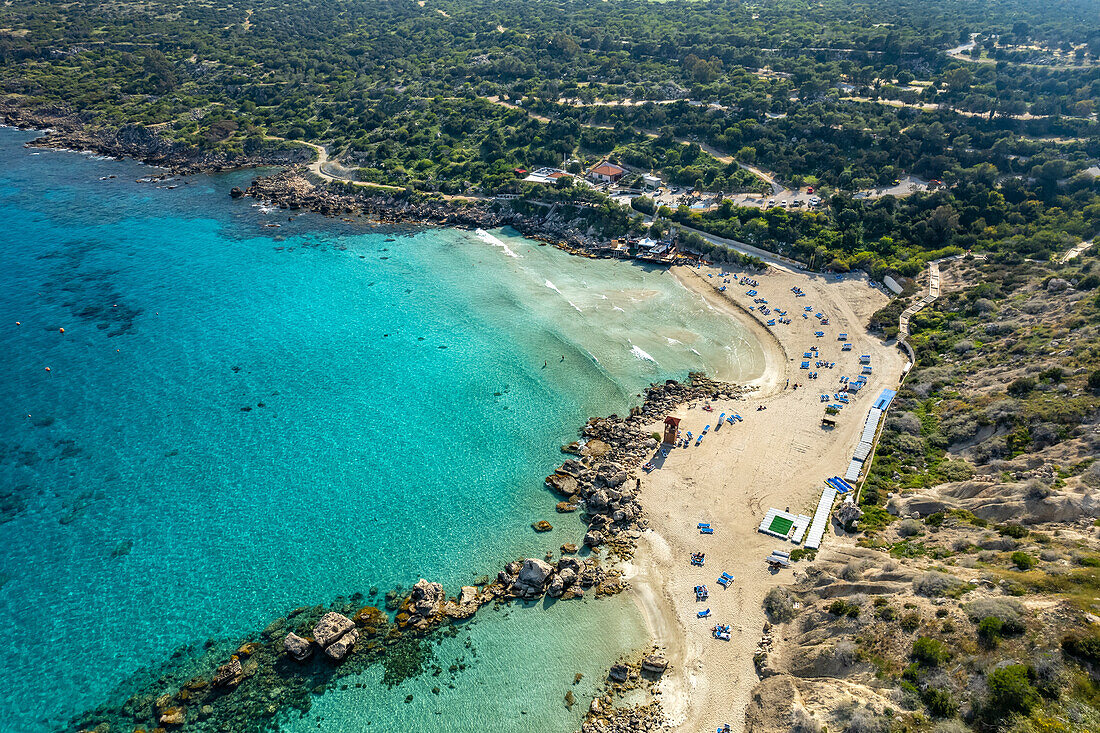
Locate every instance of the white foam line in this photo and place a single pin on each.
(553, 287)
(488, 238)
(641, 354)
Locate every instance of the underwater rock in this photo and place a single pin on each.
(542, 526)
(122, 548)
(172, 716)
(229, 674)
(371, 619)
(297, 647)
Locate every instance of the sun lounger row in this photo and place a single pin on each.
(725, 579)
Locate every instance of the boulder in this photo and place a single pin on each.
(339, 649)
(593, 538)
(598, 499)
(564, 507)
(535, 572)
(466, 604)
(563, 484)
(542, 526)
(331, 627)
(568, 576)
(229, 674)
(654, 663)
(568, 548)
(619, 673)
(236, 192)
(556, 587)
(426, 598)
(297, 647)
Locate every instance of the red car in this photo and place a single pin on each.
(809, 189)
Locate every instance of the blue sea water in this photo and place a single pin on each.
(240, 419)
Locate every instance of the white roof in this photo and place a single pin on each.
(852, 474)
(821, 518)
(862, 451)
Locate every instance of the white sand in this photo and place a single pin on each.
(778, 457)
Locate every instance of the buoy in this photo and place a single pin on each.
(18, 323)
(61, 330)
(47, 369)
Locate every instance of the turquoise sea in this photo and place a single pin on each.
(241, 419)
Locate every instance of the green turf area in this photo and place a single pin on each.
(781, 525)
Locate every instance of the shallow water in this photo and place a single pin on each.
(240, 419)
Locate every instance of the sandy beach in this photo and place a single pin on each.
(777, 457)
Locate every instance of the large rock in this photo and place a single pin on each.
(297, 647)
(535, 572)
(619, 673)
(593, 538)
(466, 604)
(339, 649)
(427, 598)
(331, 627)
(563, 484)
(598, 500)
(556, 587)
(654, 663)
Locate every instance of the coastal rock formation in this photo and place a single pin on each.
(466, 605)
(599, 482)
(331, 627)
(339, 649)
(654, 663)
(67, 130)
(292, 190)
(298, 648)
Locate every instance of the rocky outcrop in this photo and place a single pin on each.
(331, 627)
(335, 634)
(339, 649)
(292, 190)
(466, 605)
(298, 648)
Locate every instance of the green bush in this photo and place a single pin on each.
(1023, 561)
(839, 607)
(910, 621)
(990, 629)
(1013, 530)
(1085, 646)
(1011, 690)
(929, 652)
(940, 702)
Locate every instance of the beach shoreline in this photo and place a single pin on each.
(777, 456)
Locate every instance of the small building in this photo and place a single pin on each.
(546, 175)
(650, 182)
(672, 430)
(607, 172)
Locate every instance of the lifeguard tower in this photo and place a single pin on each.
(672, 430)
